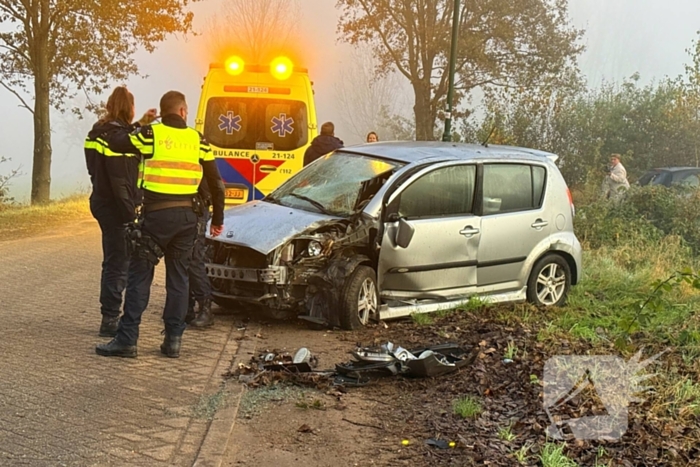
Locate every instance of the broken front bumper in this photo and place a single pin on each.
(273, 275)
(264, 286)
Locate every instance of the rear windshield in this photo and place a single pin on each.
(254, 123)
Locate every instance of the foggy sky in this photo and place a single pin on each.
(622, 37)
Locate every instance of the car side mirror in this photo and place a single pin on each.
(404, 234)
(393, 217)
(391, 210)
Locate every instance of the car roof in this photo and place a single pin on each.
(674, 169)
(417, 151)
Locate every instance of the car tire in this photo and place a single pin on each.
(360, 299)
(549, 281)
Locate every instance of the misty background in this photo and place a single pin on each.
(622, 37)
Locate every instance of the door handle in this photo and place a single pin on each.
(469, 231)
(539, 224)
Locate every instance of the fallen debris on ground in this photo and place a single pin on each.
(368, 365)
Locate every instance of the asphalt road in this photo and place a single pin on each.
(60, 404)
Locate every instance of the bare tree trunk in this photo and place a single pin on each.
(425, 119)
(41, 170)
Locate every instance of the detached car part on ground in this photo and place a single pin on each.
(367, 366)
(386, 230)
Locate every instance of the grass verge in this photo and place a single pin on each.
(468, 407)
(616, 283)
(25, 221)
(625, 303)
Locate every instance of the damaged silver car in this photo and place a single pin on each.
(385, 230)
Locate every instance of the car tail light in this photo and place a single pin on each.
(571, 202)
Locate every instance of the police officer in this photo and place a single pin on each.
(200, 287)
(175, 158)
(113, 200)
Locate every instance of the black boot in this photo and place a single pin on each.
(204, 317)
(171, 346)
(109, 325)
(191, 315)
(114, 348)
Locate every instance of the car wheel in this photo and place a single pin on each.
(360, 299)
(549, 282)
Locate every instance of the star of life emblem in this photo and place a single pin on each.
(230, 122)
(282, 125)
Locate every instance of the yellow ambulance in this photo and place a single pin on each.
(259, 120)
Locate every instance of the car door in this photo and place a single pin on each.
(435, 207)
(514, 222)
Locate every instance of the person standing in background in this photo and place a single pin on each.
(615, 183)
(323, 144)
(200, 286)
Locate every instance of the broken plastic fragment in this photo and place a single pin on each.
(438, 443)
(403, 354)
(302, 355)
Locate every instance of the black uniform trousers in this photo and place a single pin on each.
(115, 261)
(200, 287)
(174, 230)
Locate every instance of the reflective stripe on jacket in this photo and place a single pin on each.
(113, 174)
(174, 163)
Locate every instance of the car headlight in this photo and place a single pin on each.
(314, 248)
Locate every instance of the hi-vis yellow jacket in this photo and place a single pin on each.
(175, 158)
(171, 158)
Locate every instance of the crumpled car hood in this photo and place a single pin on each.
(266, 226)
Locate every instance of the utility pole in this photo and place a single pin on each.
(447, 135)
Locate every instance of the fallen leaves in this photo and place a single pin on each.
(511, 394)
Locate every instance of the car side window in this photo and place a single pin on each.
(512, 187)
(448, 191)
(689, 180)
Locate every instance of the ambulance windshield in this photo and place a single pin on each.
(256, 123)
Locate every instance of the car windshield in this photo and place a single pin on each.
(336, 184)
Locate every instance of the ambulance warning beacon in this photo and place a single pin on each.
(259, 120)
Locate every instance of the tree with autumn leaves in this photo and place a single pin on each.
(51, 50)
(502, 44)
(652, 125)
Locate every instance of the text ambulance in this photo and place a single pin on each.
(259, 120)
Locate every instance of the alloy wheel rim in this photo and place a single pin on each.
(367, 301)
(551, 282)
